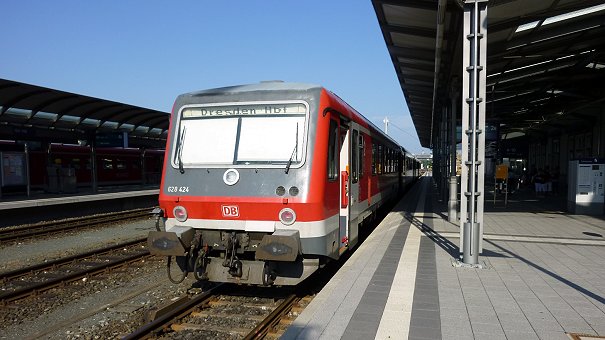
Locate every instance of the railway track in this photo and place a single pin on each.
(28, 281)
(53, 227)
(218, 314)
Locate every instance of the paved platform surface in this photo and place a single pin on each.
(543, 276)
(39, 199)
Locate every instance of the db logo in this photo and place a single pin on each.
(230, 210)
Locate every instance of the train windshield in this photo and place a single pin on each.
(259, 134)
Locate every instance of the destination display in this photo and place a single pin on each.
(245, 110)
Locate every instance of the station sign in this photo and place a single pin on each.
(112, 140)
(244, 110)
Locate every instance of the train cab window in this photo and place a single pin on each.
(354, 158)
(332, 145)
(271, 135)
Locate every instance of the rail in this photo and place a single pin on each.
(11, 234)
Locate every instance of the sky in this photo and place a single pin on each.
(146, 53)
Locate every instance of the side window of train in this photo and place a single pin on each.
(361, 155)
(354, 158)
(332, 144)
(388, 160)
(380, 162)
(374, 155)
(107, 164)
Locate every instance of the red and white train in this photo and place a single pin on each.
(265, 183)
(114, 166)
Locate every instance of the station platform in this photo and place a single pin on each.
(18, 208)
(542, 276)
(39, 199)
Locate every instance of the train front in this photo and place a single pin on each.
(233, 187)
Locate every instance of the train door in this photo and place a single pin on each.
(345, 185)
(355, 160)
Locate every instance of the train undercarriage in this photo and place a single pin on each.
(234, 256)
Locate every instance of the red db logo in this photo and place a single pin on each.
(230, 210)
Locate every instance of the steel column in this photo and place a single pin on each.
(452, 204)
(473, 126)
(443, 153)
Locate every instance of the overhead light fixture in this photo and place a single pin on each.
(539, 100)
(596, 66)
(561, 17)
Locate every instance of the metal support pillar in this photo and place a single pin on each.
(442, 156)
(93, 168)
(27, 170)
(437, 158)
(473, 127)
(452, 204)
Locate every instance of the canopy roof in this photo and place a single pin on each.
(545, 61)
(41, 110)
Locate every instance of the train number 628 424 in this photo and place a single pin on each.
(177, 189)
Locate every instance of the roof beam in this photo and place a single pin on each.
(416, 53)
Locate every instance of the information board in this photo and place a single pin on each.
(13, 168)
(502, 171)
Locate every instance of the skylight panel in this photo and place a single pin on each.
(19, 112)
(527, 26)
(595, 66)
(90, 121)
(70, 119)
(561, 17)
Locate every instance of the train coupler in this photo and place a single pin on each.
(231, 260)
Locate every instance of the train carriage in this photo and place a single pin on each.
(264, 183)
(115, 166)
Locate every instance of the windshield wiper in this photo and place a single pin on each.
(294, 152)
(179, 150)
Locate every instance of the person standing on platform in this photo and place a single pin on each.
(547, 182)
(538, 181)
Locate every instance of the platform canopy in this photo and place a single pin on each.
(31, 112)
(545, 61)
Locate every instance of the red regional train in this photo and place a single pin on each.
(115, 166)
(265, 183)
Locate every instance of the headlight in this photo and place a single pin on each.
(287, 216)
(231, 177)
(280, 191)
(293, 191)
(180, 213)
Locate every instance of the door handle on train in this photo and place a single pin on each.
(344, 182)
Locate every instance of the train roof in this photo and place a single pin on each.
(262, 86)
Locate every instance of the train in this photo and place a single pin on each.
(263, 184)
(50, 167)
